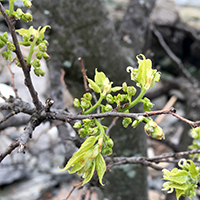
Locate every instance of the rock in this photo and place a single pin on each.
(31, 189)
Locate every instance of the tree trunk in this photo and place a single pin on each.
(82, 29)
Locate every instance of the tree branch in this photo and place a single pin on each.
(172, 55)
(25, 68)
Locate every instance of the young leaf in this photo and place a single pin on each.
(89, 173)
(100, 167)
(94, 86)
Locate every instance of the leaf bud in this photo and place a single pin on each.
(135, 123)
(76, 103)
(77, 125)
(42, 47)
(87, 96)
(131, 90)
(126, 121)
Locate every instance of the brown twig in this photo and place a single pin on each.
(87, 89)
(8, 116)
(25, 68)
(74, 187)
(172, 55)
(12, 79)
(111, 125)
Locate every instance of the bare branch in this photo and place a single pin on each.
(172, 55)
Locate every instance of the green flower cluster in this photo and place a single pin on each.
(195, 133)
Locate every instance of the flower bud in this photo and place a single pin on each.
(109, 98)
(151, 128)
(5, 35)
(107, 151)
(85, 104)
(109, 142)
(124, 86)
(39, 72)
(87, 96)
(39, 55)
(27, 17)
(27, 3)
(2, 44)
(76, 103)
(42, 47)
(126, 121)
(82, 132)
(108, 108)
(131, 90)
(45, 56)
(77, 125)
(10, 46)
(36, 63)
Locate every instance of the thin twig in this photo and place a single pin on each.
(74, 187)
(12, 79)
(111, 125)
(172, 55)
(8, 116)
(87, 89)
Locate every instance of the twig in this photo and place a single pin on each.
(84, 75)
(12, 79)
(172, 55)
(8, 116)
(74, 187)
(84, 192)
(25, 68)
(111, 125)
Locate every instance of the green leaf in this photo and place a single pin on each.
(115, 89)
(89, 173)
(180, 177)
(75, 168)
(179, 193)
(82, 154)
(41, 32)
(100, 167)
(100, 78)
(192, 169)
(94, 86)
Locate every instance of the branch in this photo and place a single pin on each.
(25, 68)
(65, 116)
(172, 55)
(35, 120)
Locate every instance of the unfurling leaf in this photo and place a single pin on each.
(100, 167)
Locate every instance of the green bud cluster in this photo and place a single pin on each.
(108, 145)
